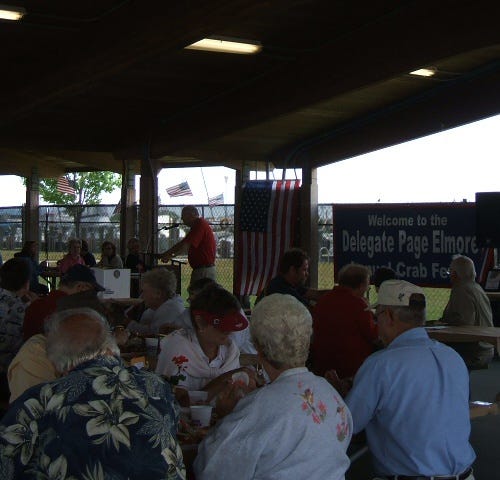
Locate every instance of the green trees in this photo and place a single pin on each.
(88, 189)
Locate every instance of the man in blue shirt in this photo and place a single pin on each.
(292, 277)
(412, 397)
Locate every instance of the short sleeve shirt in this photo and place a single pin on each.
(202, 246)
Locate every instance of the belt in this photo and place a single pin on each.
(204, 266)
(462, 476)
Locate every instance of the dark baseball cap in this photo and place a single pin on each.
(82, 273)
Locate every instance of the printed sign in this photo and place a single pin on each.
(416, 240)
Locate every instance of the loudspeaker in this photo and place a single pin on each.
(488, 219)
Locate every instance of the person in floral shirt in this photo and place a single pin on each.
(297, 426)
(14, 298)
(100, 420)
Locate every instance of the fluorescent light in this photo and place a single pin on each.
(242, 47)
(424, 72)
(11, 13)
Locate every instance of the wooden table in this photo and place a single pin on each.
(465, 333)
(493, 295)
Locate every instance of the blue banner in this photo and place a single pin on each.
(416, 240)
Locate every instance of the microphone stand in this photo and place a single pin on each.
(150, 255)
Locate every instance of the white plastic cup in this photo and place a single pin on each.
(197, 397)
(201, 415)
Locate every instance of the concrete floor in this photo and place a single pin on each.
(485, 434)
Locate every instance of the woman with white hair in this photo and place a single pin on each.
(295, 427)
(163, 305)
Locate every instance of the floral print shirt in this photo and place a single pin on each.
(298, 426)
(12, 309)
(101, 421)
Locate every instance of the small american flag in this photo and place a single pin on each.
(217, 200)
(180, 190)
(267, 221)
(65, 186)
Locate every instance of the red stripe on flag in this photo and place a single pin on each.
(260, 252)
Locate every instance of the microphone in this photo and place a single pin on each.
(168, 227)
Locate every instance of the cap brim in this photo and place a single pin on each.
(98, 287)
(232, 322)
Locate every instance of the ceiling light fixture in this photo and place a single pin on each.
(425, 72)
(225, 45)
(11, 13)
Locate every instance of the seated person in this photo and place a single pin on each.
(73, 256)
(196, 358)
(109, 258)
(296, 427)
(381, 275)
(87, 256)
(241, 337)
(14, 288)
(30, 366)
(468, 305)
(99, 420)
(78, 279)
(30, 253)
(343, 324)
(412, 397)
(134, 260)
(292, 276)
(163, 305)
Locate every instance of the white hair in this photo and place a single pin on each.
(281, 328)
(77, 335)
(162, 279)
(463, 267)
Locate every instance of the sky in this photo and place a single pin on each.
(450, 166)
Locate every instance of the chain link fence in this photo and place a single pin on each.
(97, 223)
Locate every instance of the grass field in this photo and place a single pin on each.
(436, 297)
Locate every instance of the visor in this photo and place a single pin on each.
(232, 321)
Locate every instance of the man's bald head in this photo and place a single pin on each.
(77, 335)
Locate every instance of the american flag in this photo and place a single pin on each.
(267, 221)
(217, 200)
(65, 186)
(180, 190)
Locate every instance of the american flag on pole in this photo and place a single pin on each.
(65, 186)
(217, 200)
(180, 190)
(267, 221)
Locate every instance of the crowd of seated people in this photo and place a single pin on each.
(407, 392)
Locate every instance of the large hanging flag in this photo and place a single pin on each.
(217, 200)
(180, 190)
(65, 186)
(267, 220)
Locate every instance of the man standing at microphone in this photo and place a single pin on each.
(199, 244)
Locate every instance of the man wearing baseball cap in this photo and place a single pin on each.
(78, 279)
(412, 397)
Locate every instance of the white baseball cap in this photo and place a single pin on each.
(396, 293)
